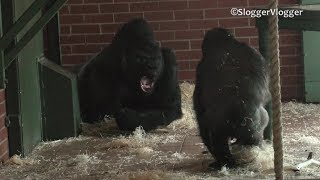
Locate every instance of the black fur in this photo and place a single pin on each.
(118, 81)
(230, 94)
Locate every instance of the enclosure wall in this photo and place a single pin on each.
(89, 25)
(4, 151)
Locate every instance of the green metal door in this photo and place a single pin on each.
(23, 90)
(307, 2)
(311, 40)
(29, 83)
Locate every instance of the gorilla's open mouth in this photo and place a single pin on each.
(146, 84)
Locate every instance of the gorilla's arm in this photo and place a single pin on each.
(167, 101)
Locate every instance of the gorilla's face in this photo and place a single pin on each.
(144, 67)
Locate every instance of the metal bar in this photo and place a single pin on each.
(33, 31)
(35, 7)
(53, 41)
(2, 76)
(262, 25)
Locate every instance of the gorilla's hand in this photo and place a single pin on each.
(129, 119)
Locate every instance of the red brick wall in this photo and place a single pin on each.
(4, 151)
(88, 25)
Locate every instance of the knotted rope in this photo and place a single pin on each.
(276, 91)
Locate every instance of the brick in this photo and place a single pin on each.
(110, 28)
(173, 5)
(65, 29)
(202, 4)
(236, 22)
(71, 19)
(4, 148)
(183, 65)
(252, 22)
(258, 3)
(125, 17)
(292, 80)
(189, 34)
(74, 59)
(217, 13)
(288, 2)
(158, 15)
(174, 25)
(186, 75)
(2, 108)
(84, 9)
(74, 2)
(2, 95)
(288, 92)
(85, 29)
(64, 10)
(300, 93)
(243, 39)
(4, 157)
(203, 24)
(128, 1)
(291, 60)
(113, 8)
(232, 3)
(98, 18)
(288, 50)
(188, 55)
(195, 44)
(246, 31)
(155, 26)
(2, 120)
(97, 1)
(188, 14)
(164, 35)
(99, 38)
(65, 49)
(87, 49)
(287, 70)
(290, 40)
(288, 32)
(299, 70)
(254, 41)
(145, 6)
(72, 39)
(194, 64)
(3, 135)
(177, 45)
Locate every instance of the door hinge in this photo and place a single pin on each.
(10, 117)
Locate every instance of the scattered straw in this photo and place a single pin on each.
(17, 160)
(104, 152)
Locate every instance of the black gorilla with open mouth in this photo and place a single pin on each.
(230, 94)
(132, 79)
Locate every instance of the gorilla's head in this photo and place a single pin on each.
(143, 66)
(216, 35)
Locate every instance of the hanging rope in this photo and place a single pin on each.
(276, 91)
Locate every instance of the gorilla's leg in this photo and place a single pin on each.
(218, 145)
(215, 134)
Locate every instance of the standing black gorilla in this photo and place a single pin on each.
(133, 80)
(230, 93)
